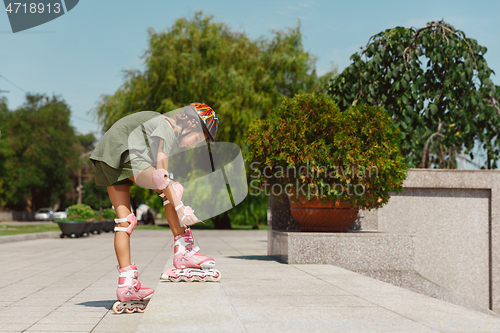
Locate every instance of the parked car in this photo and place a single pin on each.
(44, 214)
(61, 214)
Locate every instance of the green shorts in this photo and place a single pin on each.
(107, 176)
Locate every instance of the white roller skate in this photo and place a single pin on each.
(189, 264)
(131, 294)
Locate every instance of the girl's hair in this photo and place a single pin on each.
(186, 123)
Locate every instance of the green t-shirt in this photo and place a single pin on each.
(139, 135)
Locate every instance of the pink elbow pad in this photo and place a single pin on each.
(159, 179)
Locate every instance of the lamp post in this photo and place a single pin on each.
(79, 188)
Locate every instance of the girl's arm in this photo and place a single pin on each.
(161, 158)
(162, 163)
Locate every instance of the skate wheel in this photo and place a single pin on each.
(175, 278)
(141, 309)
(189, 278)
(216, 278)
(117, 308)
(130, 310)
(202, 278)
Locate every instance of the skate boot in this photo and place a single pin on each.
(189, 264)
(130, 293)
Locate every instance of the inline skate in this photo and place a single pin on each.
(189, 264)
(131, 294)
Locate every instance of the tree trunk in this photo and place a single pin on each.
(222, 221)
(489, 165)
(134, 205)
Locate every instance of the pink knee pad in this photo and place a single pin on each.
(130, 219)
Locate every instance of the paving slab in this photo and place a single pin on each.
(259, 294)
(68, 285)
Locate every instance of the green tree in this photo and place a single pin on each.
(92, 195)
(435, 84)
(5, 152)
(95, 196)
(86, 141)
(42, 155)
(200, 60)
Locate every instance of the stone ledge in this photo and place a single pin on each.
(413, 281)
(385, 256)
(357, 250)
(23, 237)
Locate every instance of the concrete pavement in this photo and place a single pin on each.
(68, 285)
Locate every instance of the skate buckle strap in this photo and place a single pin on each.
(129, 277)
(138, 285)
(193, 252)
(189, 239)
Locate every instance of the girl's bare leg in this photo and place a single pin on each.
(145, 178)
(120, 198)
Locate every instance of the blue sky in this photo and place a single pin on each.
(81, 54)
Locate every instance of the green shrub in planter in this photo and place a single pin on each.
(98, 224)
(79, 221)
(108, 214)
(80, 212)
(309, 148)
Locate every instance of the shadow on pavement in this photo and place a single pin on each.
(256, 257)
(99, 304)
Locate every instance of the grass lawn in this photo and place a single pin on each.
(199, 226)
(6, 229)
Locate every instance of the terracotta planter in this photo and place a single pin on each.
(333, 216)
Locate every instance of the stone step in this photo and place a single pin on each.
(356, 250)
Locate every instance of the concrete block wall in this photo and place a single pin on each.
(6, 216)
(453, 218)
(451, 229)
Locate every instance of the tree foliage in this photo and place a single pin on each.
(95, 196)
(87, 142)
(200, 60)
(5, 151)
(435, 84)
(37, 153)
(309, 147)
